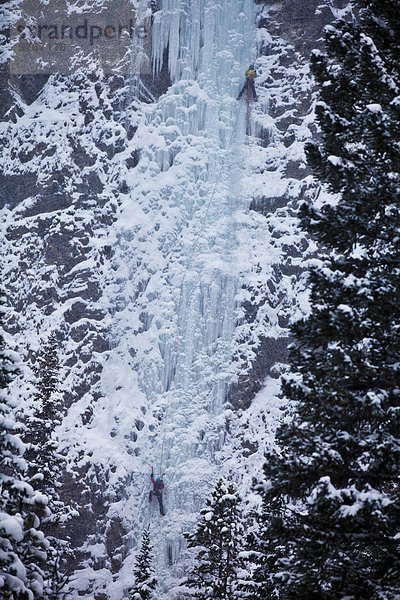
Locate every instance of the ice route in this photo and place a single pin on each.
(176, 259)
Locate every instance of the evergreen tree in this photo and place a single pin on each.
(218, 541)
(46, 464)
(331, 504)
(264, 548)
(145, 580)
(23, 547)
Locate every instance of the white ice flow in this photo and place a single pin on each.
(176, 264)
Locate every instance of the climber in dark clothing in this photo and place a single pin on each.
(250, 75)
(158, 486)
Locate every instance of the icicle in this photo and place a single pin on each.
(166, 34)
(187, 181)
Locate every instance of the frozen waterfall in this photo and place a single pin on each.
(176, 263)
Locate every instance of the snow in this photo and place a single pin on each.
(374, 108)
(12, 526)
(337, 161)
(203, 276)
(195, 244)
(345, 308)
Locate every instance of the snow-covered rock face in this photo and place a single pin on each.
(160, 242)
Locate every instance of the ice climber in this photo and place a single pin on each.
(158, 486)
(250, 75)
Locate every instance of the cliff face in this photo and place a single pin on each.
(280, 180)
(137, 222)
